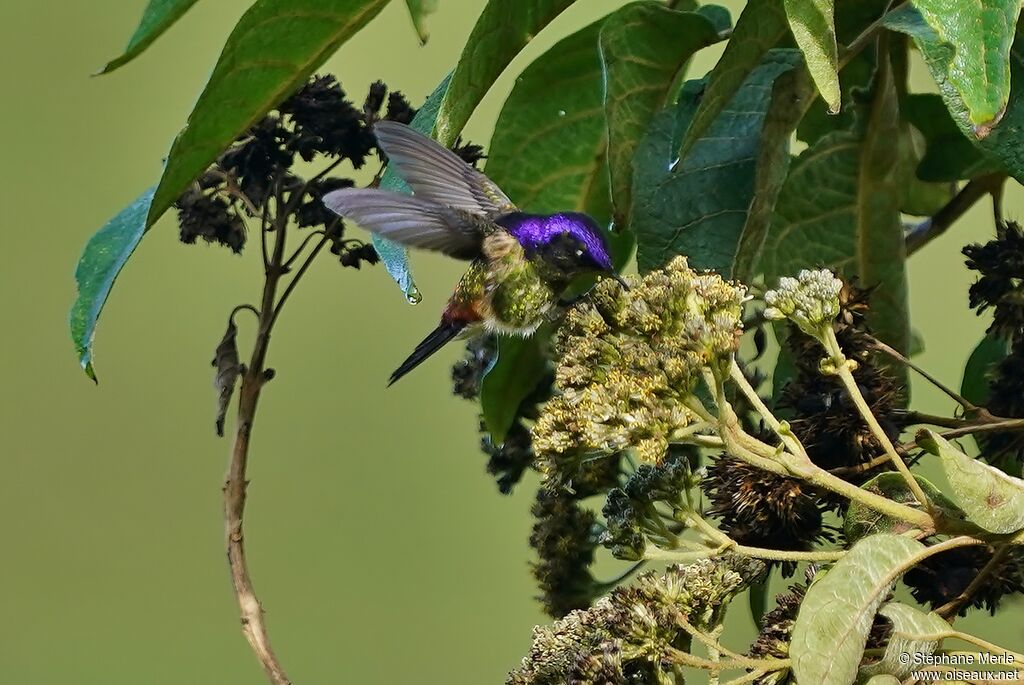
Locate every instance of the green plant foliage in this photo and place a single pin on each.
(104, 256)
(158, 16)
(645, 49)
(272, 50)
(989, 352)
(393, 255)
(418, 11)
(521, 364)
(761, 27)
(861, 520)
(837, 612)
(501, 32)
(914, 632)
(851, 223)
(813, 26)
(714, 204)
(980, 34)
(948, 155)
(1003, 140)
(991, 499)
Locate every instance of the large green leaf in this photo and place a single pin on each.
(503, 29)
(991, 499)
(975, 384)
(851, 222)
(980, 34)
(104, 255)
(814, 28)
(1003, 141)
(837, 612)
(914, 633)
(548, 148)
(272, 50)
(392, 254)
(714, 204)
(645, 48)
(761, 27)
(158, 16)
(948, 155)
(418, 11)
(861, 520)
(520, 366)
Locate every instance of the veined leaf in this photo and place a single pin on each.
(272, 50)
(713, 205)
(989, 352)
(158, 16)
(645, 48)
(914, 632)
(392, 254)
(101, 261)
(418, 11)
(948, 155)
(980, 34)
(836, 615)
(1003, 139)
(851, 222)
(861, 520)
(814, 28)
(548, 149)
(503, 29)
(991, 499)
(515, 375)
(761, 27)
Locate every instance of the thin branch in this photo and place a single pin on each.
(950, 608)
(931, 228)
(298, 275)
(298, 251)
(865, 38)
(898, 356)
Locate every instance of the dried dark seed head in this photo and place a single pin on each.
(258, 157)
(206, 216)
(942, 577)
(313, 212)
(470, 153)
(563, 538)
(325, 122)
(399, 109)
(374, 100)
(1001, 265)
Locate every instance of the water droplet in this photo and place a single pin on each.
(413, 295)
(672, 164)
(561, 112)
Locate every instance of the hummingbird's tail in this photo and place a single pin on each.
(444, 333)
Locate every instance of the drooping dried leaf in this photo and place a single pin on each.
(225, 360)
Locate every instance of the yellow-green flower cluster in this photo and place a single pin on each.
(628, 360)
(811, 300)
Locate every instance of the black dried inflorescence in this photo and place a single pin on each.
(942, 577)
(469, 153)
(325, 122)
(1001, 265)
(201, 214)
(564, 539)
(763, 509)
(823, 416)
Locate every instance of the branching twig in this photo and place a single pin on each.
(895, 354)
(931, 228)
(950, 608)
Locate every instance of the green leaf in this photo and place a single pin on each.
(418, 10)
(761, 27)
(814, 28)
(991, 499)
(836, 615)
(274, 48)
(104, 255)
(758, 600)
(883, 680)
(645, 49)
(520, 366)
(1005, 141)
(980, 34)
(851, 222)
(714, 205)
(157, 18)
(861, 520)
(948, 155)
(548, 149)
(501, 32)
(989, 352)
(914, 633)
(392, 254)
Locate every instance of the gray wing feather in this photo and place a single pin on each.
(409, 220)
(436, 173)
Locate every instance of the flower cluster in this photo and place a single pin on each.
(811, 300)
(629, 360)
(629, 636)
(1001, 265)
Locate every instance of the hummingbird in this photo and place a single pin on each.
(520, 263)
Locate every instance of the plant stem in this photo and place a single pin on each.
(235, 484)
(988, 647)
(895, 354)
(950, 608)
(931, 228)
(677, 557)
(846, 377)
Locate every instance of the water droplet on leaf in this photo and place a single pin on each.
(413, 295)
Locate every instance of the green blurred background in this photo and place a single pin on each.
(382, 550)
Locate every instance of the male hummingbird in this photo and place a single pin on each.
(520, 264)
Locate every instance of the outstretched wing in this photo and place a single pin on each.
(409, 220)
(436, 173)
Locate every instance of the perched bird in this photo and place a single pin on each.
(520, 264)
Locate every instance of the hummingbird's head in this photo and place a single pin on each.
(570, 243)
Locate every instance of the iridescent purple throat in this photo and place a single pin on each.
(533, 231)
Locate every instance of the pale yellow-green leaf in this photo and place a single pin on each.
(814, 28)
